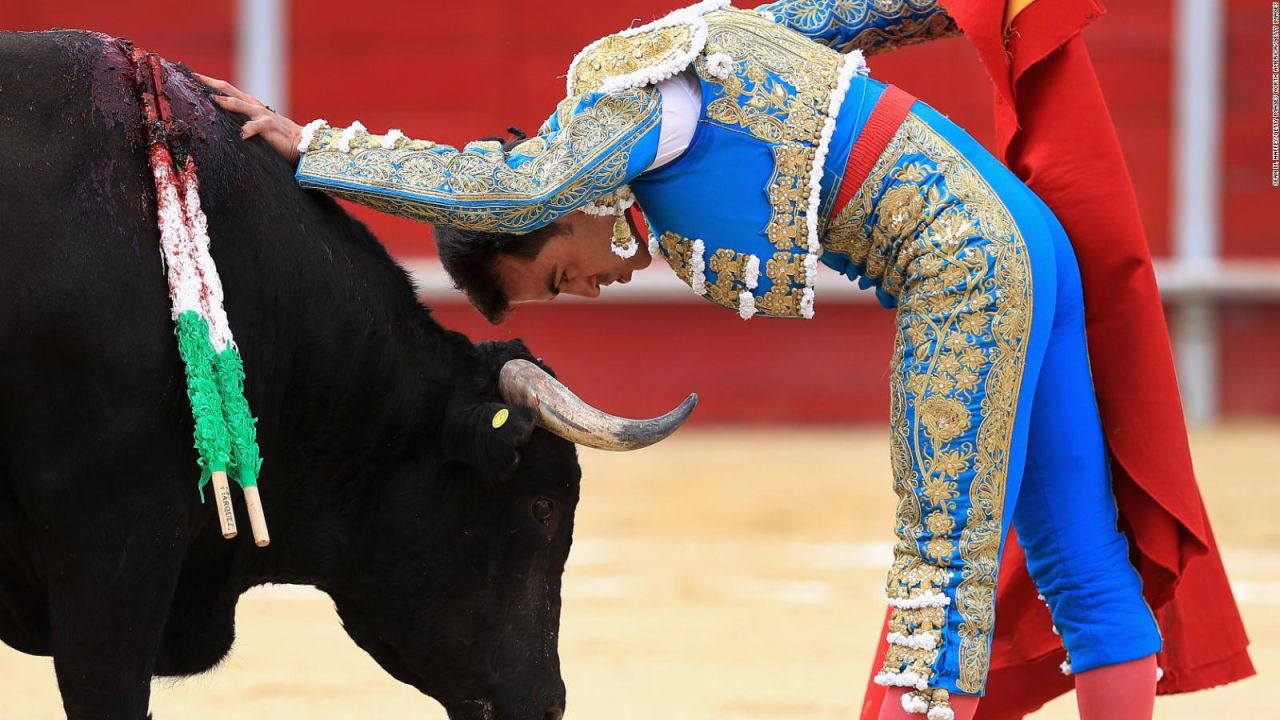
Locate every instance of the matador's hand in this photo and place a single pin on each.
(281, 133)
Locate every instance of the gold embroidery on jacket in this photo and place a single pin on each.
(679, 252)
(478, 188)
(617, 55)
(779, 92)
(729, 268)
(725, 275)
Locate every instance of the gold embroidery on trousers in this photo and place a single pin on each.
(929, 229)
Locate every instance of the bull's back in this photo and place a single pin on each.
(74, 188)
(88, 354)
(89, 357)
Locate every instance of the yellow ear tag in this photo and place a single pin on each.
(500, 418)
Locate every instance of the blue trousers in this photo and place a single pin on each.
(994, 420)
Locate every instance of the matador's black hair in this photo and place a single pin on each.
(471, 256)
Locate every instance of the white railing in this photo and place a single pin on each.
(261, 53)
(1196, 196)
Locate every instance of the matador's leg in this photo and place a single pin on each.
(986, 286)
(1066, 514)
(975, 312)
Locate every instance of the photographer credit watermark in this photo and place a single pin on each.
(1275, 94)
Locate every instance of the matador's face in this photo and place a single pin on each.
(577, 261)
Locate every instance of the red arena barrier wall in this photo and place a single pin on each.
(458, 71)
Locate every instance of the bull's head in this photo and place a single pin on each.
(461, 593)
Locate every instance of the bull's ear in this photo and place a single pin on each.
(488, 438)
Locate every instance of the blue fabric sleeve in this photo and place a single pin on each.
(871, 26)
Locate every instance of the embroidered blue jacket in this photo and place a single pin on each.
(740, 215)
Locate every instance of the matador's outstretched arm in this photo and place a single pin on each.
(871, 26)
(595, 143)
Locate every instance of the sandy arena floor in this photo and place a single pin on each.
(727, 575)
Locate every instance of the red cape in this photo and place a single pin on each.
(1055, 133)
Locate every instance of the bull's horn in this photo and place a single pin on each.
(524, 384)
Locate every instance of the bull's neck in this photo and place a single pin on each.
(348, 380)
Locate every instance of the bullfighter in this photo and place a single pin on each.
(757, 146)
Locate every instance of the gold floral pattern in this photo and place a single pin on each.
(618, 54)
(780, 92)
(679, 253)
(482, 187)
(944, 418)
(932, 232)
(726, 276)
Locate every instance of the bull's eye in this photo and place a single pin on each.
(543, 509)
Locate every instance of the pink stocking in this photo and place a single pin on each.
(1118, 692)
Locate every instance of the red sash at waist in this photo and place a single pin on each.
(885, 119)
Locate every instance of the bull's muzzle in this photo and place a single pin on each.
(524, 384)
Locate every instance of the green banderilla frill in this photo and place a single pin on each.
(225, 433)
(211, 439)
(240, 421)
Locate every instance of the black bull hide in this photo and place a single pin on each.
(440, 539)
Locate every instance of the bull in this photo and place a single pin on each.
(440, 534)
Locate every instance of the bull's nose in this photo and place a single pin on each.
(555, 712)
